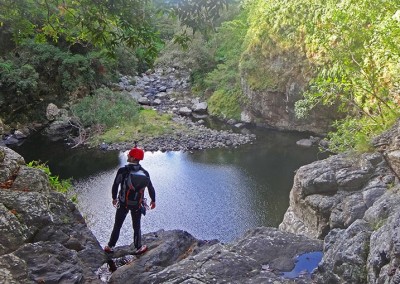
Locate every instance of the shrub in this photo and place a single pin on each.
(225, 104)
(106, 108)
(60, 185)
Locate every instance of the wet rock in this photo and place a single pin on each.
(59, 129)
(11, 140)
(305, 143)
(262, 254)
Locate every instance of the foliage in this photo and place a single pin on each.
(350, 50)
(41, 73)
(126, 61)
(20, 79)
(105, 24)
(60, 185)
(149, 124)
(106, 109)
(225, 104)
(198, 15)
(18, 86)
(197, 57)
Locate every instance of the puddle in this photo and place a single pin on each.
(305, 264)
(105, 271)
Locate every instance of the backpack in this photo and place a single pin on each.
(132, 188)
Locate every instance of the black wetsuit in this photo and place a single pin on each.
(122, 211)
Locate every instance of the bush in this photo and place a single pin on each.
(225, 104)
(126, 61)
(106, 108)
(18, 79)
(18, 90)
(60, 185)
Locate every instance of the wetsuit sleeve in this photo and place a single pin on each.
(150, 187)
(152, 192)
(117, 182)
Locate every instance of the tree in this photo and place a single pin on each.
(101, 23)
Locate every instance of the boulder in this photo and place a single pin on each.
(326, 194)
(260, 256)
(52, 112)
(185, 111)
(200, 107)
(353, 202)
(43, 237)
(59, 129)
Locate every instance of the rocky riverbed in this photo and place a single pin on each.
(166, 91)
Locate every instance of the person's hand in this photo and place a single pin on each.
(114, 202)
(152, 205)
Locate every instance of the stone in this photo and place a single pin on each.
(59, 129)
(200, 107)
(52, 112)
(242, 261)
(21, 134)
(144, 101)
(305, 143)
(185, 111)
(43, 237)
(245, 117)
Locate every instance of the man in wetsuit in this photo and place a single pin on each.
(134, 157)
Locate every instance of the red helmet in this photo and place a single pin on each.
(136, 153)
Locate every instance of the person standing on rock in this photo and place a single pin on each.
(132, 180)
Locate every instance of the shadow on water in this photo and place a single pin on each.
(64, 161)
(212, 194)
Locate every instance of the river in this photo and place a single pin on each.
(212, 194)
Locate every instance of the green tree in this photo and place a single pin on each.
(349, 49)
(105, 24)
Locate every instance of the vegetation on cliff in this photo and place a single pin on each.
(348, 52)
(62, 51)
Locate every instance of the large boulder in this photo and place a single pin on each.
(334, 192)
(43, 237)
(260, 256)
(353, 202)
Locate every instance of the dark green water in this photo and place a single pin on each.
(216, 193)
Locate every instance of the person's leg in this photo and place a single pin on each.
(137, 234)
(119, 220)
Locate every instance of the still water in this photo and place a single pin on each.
(212, 194)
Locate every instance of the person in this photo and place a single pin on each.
(135, 155)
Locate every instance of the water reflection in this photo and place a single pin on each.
(64, 161)
(216, 193)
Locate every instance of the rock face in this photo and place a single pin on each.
(284, 79)
(260, 256)
(353, 203)
(43, 237)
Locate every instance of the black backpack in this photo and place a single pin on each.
(132, 188)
